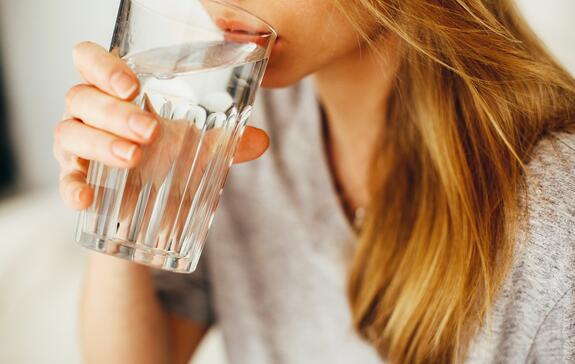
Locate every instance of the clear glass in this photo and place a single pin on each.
(200, 63)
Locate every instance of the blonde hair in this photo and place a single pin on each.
(474, 94)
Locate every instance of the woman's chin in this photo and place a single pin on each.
(275, 77)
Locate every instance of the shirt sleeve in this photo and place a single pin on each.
(186, 295)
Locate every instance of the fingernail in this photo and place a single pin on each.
(124, 150)
(143, 125)
(123, 85)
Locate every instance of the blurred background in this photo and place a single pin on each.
(40, 265)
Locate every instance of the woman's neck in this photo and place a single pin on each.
(353, 92)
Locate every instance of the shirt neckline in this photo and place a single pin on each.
(325, 174)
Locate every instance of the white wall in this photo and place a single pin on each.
(553, 20)
(37, 36)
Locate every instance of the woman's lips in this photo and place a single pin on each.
(235, 26)
(239, 32)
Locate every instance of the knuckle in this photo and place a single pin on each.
(61, 177)
(72, 94)
(56, 153)
(109, 64)
(93, 146)
(81, 47)
(113, 109)
(59, 130)
(69, 195)
(63, 185)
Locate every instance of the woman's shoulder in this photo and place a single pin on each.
(553, 153)
(545, 254)
(550, 184)
(547, 234)
(543, 279)
(541, 284)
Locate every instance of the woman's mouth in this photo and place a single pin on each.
(239, 32)
(234, 26)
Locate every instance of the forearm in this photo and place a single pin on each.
(121, 320)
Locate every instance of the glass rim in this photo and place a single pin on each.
(270, 30)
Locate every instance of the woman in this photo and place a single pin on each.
(416, 204)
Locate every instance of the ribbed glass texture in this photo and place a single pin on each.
(200, 80)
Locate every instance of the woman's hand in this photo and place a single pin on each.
(102, 124)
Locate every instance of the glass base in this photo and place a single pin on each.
(138, 253)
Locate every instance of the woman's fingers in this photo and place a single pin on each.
(76, 138)
(253, 144)
(68, 161)
(105, 71)
(105, 112)
(74, 190)
(76, 143)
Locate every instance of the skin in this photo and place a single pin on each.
(101, 124)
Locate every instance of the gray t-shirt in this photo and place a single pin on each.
(273, 273)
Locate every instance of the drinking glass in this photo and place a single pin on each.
(199, 63)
